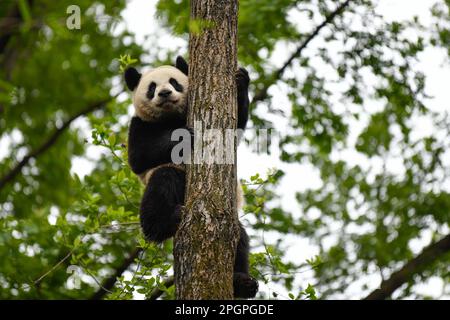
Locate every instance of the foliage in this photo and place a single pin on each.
(64, 235)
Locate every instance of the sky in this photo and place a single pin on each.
(139, 19)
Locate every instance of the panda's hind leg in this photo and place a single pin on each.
(244, 285)
(161, 202)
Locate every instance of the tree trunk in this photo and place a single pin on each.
(206, 239)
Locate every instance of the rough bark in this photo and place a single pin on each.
(206, 239)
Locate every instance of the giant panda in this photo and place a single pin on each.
(160, 101)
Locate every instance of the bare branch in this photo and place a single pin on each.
(109, 283)
(430, 254)
(67, 256)
(262, 93)
(50, 141)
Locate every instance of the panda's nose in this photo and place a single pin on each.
(164, 93)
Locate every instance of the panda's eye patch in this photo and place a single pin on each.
(176, 85)
(151, 90)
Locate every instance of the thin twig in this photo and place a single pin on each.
(262, 93)
(50, 141)
(37, 281)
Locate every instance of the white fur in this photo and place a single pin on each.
(146, 175)
(239, 196)
(152, 110)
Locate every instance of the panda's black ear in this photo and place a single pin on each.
(182, 65)
(132, 78)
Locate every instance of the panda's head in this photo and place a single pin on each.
(161, 92)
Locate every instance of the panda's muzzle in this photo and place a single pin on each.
(164, 97)
(165, 93)
(167, 103)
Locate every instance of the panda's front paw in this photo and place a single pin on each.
(242, 79)
(244, 285)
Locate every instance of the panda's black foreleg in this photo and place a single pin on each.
(160, 206)
(242, 82)
(244, 285)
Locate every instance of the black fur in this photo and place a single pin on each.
(149, 146)
(242, 82)
(151, 91)
(149, 143)
(176, 85)
(160, 206)
(132, 78)
(244, 285)
(182, 65)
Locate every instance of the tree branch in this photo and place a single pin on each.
(414, 266)
(156, 293)
(262, 93)
(109, 283)
(50, 141)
